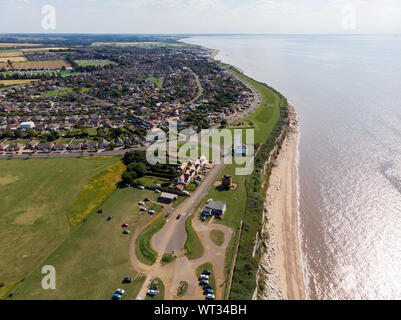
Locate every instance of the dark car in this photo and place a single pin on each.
(203, 282)
(153, 288)
(147, 199)
(109, 218)
(126, 232)
(100, 211)
(207, 287)
(207, 272)
(127, 280)
(179, 216)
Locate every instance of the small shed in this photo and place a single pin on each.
(167, 197)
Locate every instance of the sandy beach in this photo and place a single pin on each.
(281, 263)
(214, 54)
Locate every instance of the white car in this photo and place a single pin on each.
(152, 211)
(210, 297)
(120, 291)
(141, 187)
(141, 203)
(203, 277)
(152, 293)
(158, 191)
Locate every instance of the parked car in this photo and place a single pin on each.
(147, 199)
(127, 280)
(126, 232)
(141, 203)
(143, 209)
(207, 272)
(100, 211)
(109, 218)
(179, 216)
(203, 277)
(117, 296)
(203, 282)
(186, 192)
(206, 287)
(120, 292)
(152, 211)
(124, 225)
(152, 293)
(210, 297)
(208, 291)
(158, 191)
(141, 187)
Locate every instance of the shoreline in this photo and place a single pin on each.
(281, 264)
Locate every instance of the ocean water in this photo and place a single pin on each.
(347, 92)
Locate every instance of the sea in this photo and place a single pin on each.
(346, 90)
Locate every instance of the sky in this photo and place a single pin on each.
(202, 16)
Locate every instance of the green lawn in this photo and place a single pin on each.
(217, 237)
(36, 196)
(167, 258)
(93, 261)
(157, 81)
(144, 250)
(193, 245)
(58, 92)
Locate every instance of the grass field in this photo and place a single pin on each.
(97, 63)
(40, 65)
(157, 81)
(95, 191)
(217, 237)
(16, 82)
(93, 261)
(167, 258)
(36, 196)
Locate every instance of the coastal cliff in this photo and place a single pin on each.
(280, 273)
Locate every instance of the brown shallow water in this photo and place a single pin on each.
(347, 93)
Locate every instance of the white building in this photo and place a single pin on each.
(27, 125)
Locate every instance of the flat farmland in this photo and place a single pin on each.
(43, 49)
(12, 59)
(4, 65)
(37, 195)
(16, 82)
(11, 54)
(41, 65)
(18, 45)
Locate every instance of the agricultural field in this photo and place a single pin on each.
(43, 49)
(4, 66)
(97, 63)
(15, 53)
(36, 196)
(18, 45)
(13, 59)
(93, 261)
(16, 82)
(40, 65)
